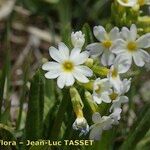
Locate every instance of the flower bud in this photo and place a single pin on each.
(77, 39)
(82, 125)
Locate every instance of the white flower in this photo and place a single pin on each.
(127, 3)
(119, 67)
(118, 101)
(67, 67)
(130, 46)
(119, 98)
(77, 39)
(105, 45)
(101, 91)
(82, 125)
(100, 124)
(116, 115)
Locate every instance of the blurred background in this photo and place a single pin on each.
(28, 28)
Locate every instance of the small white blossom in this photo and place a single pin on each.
(77, 39)
(131, 47)
(103, 123)
(81, 125)
(119, 98)
(116, 115)
(100, 124)
(105, 44)
(67, 67)
(118, 101)
(119, 67)
(101, 91)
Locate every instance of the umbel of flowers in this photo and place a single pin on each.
(116, 51)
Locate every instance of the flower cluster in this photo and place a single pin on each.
(116, 50)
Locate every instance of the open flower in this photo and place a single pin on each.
(119, 98)
(81, 125)
(127, 3)
(101, 91)
(119, 66)
(116, 115)
(105, 44)
(67, 67)
(77, 39)
(100, 124)
(131, 47)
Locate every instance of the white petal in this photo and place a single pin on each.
(95, 48)
(105, 97)
(63, 49)
(119, 46)
(125, 33)
(138, 59)
(133, 31)
(107, 58)
(96, 117)
(123, 62)
(61, 80)
(69, 79)
(144, 41)
(50, 66)
(114, 34)
(97, 99)
(81, 58)
(117, 84)
(75, 53)
(52, 74)
(145, 55)
(131, 3)
(95, 133)
(126, 85)
(124, 99)
(80, 77)
(85, 70)
(55, 54)
(99, 33)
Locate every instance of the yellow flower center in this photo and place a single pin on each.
(68, 66)
(107, 43)
(141, 2)
(98, 89)
(132, 46)
(113, 96)
(114, 73)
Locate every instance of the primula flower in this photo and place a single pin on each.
(131, 47)
(68, 66)
(82, 125)
(119, 98)
(101, 91)
(119, 67)
(105, 44)
(103, 123)
(77, 39)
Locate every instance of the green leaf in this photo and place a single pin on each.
(140, 129)
(88, 34)
(55, 132)
(34, 122)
